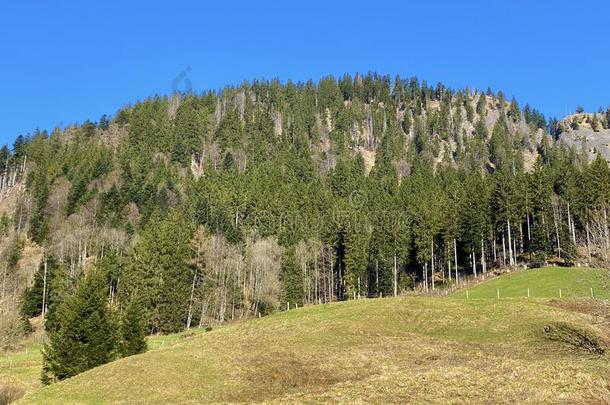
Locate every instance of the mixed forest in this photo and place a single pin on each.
(191, 210)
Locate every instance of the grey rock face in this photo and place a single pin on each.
(594, 142)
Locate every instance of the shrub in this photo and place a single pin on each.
(10, 392)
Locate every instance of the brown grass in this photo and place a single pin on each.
(10, 391)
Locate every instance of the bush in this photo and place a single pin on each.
(575, 337)
(539, 259)
(10, 392)
(11, 330)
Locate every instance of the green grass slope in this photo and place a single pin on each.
(575, 282)
(22, 368)
(409, 349)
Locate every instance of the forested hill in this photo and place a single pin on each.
(228, 204)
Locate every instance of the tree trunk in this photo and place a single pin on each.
(515, 250)
(190, 313)
(332, 280)
(456, 263)
(325, 284)
(432, 263)
(557, 232)
(503, 250)
(316, 278)
(571, 225)
(305, 283)
(474, 262)
(483, 263)
(44, 290)
(510, 243)
(426, 277)
(520, 236)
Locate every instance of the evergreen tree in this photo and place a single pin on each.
(158, 274)
(34, 295)
(514, 112)
(39, 226)
(482, 105)
(292, 279)
(595, 123)
(86, 336)
(132, 330)
(500, 145)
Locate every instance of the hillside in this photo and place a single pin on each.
(293, 179)
(387, 350)
(197, 210)
(576, 282)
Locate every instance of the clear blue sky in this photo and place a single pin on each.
(66, 61)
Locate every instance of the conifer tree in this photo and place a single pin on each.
(132, 330)
(86, 336)
(40, 292)
(292, 279)
(158, 274)
(514, 112)
(482, 105)
(500, 145)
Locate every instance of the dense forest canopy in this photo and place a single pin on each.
(201, 208)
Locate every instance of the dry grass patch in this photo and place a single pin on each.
(10, 391)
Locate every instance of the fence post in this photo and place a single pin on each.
(560, 293)
(528, 292)
(592, 293)
(467, 297)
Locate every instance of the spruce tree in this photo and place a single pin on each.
(515, 112)
(33, 296)
(86, 336)
(158, 274)
(132, 330)
(482, 105)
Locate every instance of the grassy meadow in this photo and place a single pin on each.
(389, 350)
(547, 282)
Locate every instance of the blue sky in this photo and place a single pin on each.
(66, 61)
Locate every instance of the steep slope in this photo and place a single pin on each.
(382, 350)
